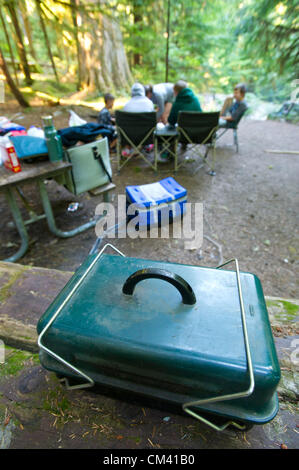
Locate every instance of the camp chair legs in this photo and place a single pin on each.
(135, 130)
(203, 158)
(167, 145)
(235, 136)
(211, 170)
(236, 140)
(137, 150)
(196, 129)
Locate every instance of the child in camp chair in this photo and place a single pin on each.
(233, 108)
(105, 117)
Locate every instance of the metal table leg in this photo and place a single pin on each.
(166, 141)
(50, 217)
(33, 216)
(19, 224)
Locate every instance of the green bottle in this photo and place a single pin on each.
(53, 140)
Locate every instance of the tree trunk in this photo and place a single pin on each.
(16, 92)
(27, 28)
(102, 54)
(167, 42)
(20, 44)
(74, 4)
(9, 46)
(137, 15)
(43, 26)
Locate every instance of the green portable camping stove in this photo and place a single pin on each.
(195, 336)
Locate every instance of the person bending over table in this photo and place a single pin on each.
(162, 96)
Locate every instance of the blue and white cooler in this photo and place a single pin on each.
(156, 202)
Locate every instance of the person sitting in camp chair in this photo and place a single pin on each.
(107, 120)
(232, 112)
(233, 108)
(139, 103)
(105, 116)
(185, 100)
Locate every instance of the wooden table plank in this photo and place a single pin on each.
(25, 293)
(31, 172)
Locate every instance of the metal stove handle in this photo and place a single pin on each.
(234, 396)
(177, 281)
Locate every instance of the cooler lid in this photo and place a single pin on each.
(160, 192)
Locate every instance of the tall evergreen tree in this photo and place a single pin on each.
(271, 33)
(11, 6)
(14, 89)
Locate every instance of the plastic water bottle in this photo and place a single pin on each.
(53, 140)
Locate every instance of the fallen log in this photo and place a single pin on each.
(291, 152)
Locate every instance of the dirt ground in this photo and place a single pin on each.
(250, 207)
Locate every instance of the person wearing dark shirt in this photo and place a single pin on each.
(106, 119)
(185, 100)
(104, 116)
(233, 110)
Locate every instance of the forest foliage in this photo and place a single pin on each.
(106, 44)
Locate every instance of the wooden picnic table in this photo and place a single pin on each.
(34, 172)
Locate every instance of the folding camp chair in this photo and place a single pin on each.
(231, 125)
(196, 128)
(135, 130)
